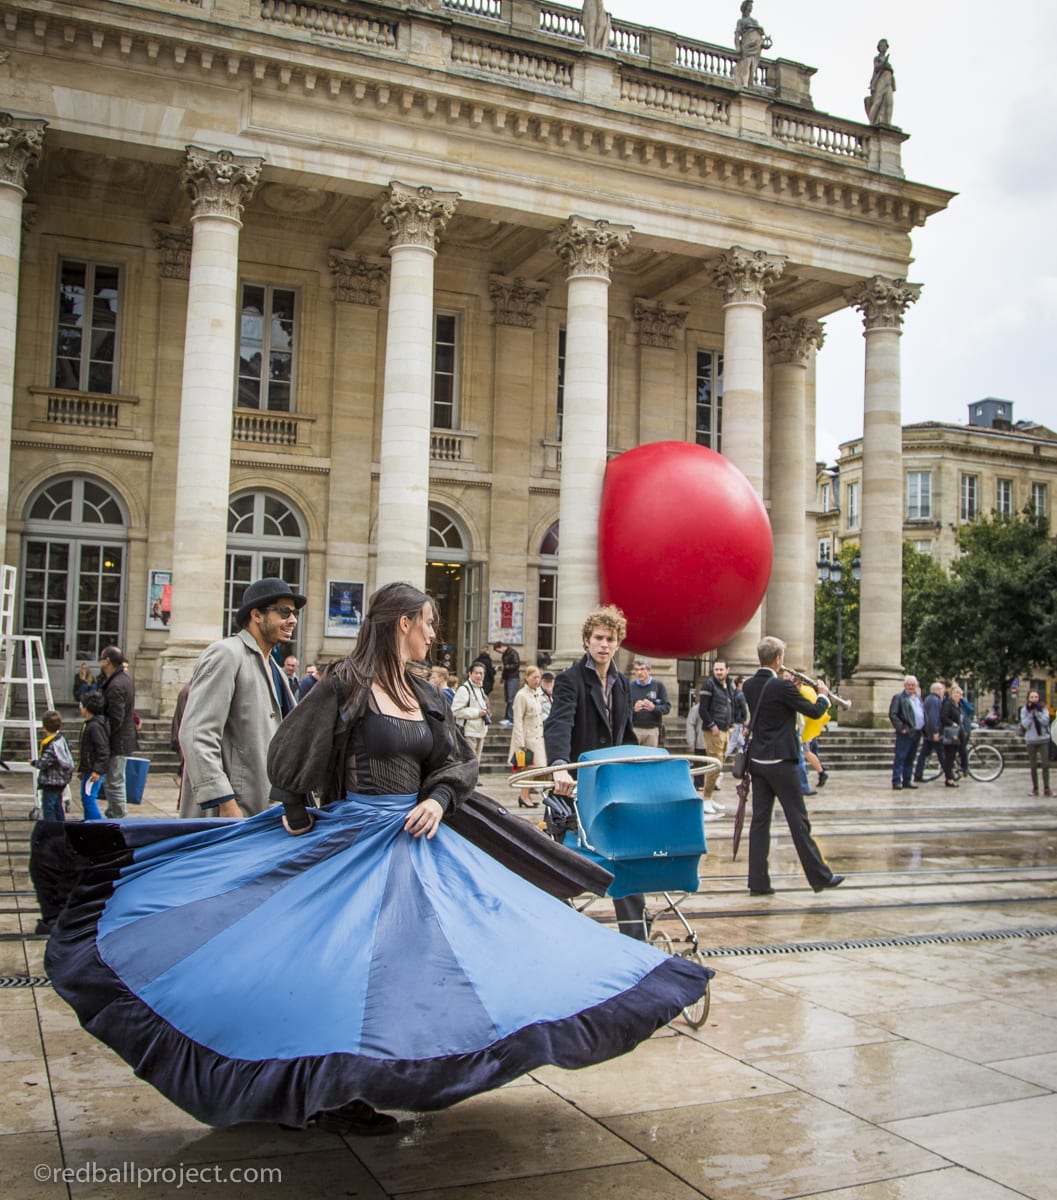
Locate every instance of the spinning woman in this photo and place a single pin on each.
(313, 964)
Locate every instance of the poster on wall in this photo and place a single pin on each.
(159, 599)
(506, 618)
(344, 608)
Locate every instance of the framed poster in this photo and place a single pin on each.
(506, 618)
(159, 599)
(344, 608)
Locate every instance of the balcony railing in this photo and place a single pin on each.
(268, 428)
(451, 445)
(89, 411)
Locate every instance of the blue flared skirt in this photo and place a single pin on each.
(253, 976)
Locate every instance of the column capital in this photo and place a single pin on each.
(883, 302)
(588, 247)
(219, 182)
(791, 339)
(415, 216)
(517, 301)
(21, 145)
(744, 275)
(173, 243)
(357, 278)
(659, 322)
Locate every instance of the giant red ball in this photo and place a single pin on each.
(684, 548)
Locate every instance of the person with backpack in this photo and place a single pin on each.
(54, 767)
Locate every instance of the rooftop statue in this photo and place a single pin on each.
(882, 86)
(750, 41)
(596, 25)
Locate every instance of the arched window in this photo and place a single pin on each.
(73, 574)
(266, 539)
(454, 583)
(547, 604)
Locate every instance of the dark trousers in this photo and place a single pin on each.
(511, 688)
(631, 916)
(903, 759)
(781, 781)
(945, 760)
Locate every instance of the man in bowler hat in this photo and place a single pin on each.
(239, 693)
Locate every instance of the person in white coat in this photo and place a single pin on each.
(470, 708)
(527, 730)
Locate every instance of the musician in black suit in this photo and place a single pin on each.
(774, 758)
(591, 709)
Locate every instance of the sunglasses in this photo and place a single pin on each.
(283, 611)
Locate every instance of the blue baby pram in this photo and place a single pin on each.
(639, 815)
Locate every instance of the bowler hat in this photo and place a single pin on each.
(263, 592)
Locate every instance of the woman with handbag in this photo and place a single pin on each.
(526, 734)
(950, 735)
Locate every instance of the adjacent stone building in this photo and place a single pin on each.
(349, 292)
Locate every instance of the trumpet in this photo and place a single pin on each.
(813, 683)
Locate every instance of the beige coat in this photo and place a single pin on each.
(231, 716)
(527, 730)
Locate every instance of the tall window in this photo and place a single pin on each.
(824, 497)
(266, 348)
(445, 358)
(708, 414)
(825, 547)
(1039, 506)
(919, 495)
(852, 505)
(970, 507)
(561, 381)
(547, 606)
(1004, 498)
(86, 338)
(266, 539)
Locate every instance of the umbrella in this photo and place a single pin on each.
(739, 815)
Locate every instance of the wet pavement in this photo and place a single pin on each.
(893, 1039)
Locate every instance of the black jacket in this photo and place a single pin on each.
(485, 659)
(119, 703)
(716, 704)
(93, 754)
(578, 719)
(774, 733)
(901, 712)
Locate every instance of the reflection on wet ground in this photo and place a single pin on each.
(893, 1039)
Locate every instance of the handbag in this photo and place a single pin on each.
(521, 759)
(740, 765)
(952, 735)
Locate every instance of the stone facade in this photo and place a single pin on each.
(373, 292)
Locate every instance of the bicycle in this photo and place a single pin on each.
(986, 763)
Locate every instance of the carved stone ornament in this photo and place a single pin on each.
(884, 302)
(415, 216)
(791, 339)
(219, 182)
(516, 302)
(659, 323)
(744, 275)
(174, 249)
(588, 247)
(357, 279)
(21, 145)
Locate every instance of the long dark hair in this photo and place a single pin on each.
(376, 658)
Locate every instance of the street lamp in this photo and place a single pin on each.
(832, 571)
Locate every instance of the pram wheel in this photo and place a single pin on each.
(696, 1014)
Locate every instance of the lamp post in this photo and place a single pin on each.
(831, 571)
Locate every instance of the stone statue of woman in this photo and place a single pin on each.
(750, 41)
(596, 25)
(882, 86)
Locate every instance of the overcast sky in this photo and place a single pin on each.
(975, 90)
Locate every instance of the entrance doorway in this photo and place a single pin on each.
(72, 580)
(455, 585)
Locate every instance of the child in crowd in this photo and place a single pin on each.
(54, 767)
(94, 753)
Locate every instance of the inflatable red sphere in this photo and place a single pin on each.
(684, 548)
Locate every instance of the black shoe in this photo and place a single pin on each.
(811, 792)
(823, 776)
(912, 786)
(836, 881)
(356, 1117)
(949, 783)
(761, 891)
(898, 787)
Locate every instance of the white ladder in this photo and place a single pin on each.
(22, 666)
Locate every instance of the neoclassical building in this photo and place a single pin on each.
(352, 292)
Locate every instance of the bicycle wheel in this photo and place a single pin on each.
(696, 1014)
(931, 772)
(985, 763)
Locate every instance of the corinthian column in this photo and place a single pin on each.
(587, 248)
(414, 217)
(220, 184)
(883, 303)
(743, 276)
(789, 597)
(21, 145)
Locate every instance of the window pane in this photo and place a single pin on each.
(100, 377)
(279, 397)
